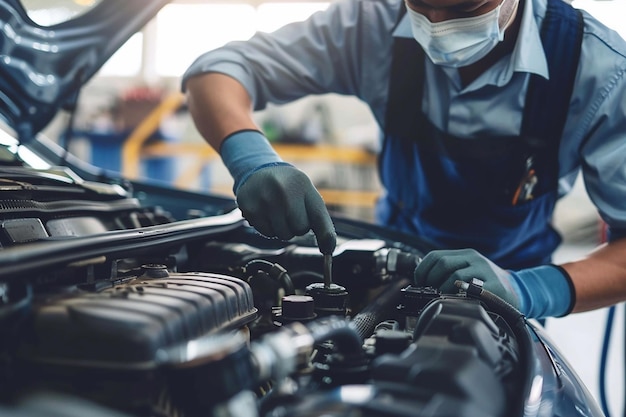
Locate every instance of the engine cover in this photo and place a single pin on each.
(126, 326)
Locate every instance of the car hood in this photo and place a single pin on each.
(42, 68)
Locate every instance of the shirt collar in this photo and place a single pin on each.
(528, 56)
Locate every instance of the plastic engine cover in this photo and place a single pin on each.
(125, 327)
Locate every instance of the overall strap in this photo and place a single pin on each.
(406, 84)
(547, 101)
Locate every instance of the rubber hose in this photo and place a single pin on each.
(366, 321)
(339, 331)
(606, 341)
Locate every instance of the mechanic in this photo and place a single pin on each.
(489, 109)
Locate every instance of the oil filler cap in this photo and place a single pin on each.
(298, 308)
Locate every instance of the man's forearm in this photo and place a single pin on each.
(219, 106)
(600, 278)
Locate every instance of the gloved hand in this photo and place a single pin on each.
(543, 291)
(276, 198)
(440, 269)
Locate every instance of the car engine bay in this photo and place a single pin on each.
(110, 300)
(122, 298)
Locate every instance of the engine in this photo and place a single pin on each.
(108, 308)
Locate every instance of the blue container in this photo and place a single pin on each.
(106, 153)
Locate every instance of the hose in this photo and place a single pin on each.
(281, 353)
(365, 322)
(604, 359)
(338, 330)
(275, 271)
(497, 304)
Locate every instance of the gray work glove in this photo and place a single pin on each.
(441, 268)
(276, 198)
(538, 292)
(281, 201)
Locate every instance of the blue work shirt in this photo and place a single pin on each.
(346, 49)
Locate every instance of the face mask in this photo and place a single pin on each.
(460, 42)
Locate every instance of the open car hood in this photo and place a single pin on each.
(42, 68)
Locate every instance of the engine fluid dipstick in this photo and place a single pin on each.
(328, 270)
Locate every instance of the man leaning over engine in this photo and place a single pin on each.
(489, 109)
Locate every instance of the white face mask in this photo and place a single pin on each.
(460, 42)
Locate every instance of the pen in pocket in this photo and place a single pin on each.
(524, 191)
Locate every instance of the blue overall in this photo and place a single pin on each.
(493, 194)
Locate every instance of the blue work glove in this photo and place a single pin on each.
(543, 291)
(276, 198)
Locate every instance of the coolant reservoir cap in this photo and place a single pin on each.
(298, 308)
